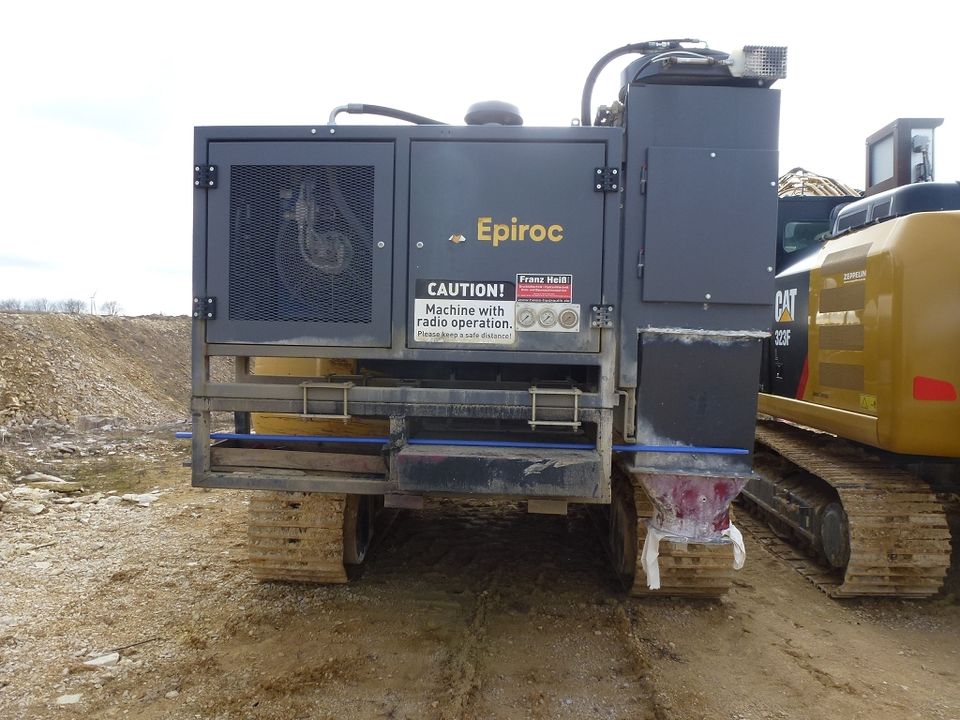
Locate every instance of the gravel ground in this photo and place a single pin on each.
(472, 610)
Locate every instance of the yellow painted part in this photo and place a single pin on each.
(281, 424)
(853, 426)
(277, 424)
(910, 313)
(303, 367)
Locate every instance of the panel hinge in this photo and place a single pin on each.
(204, 177)
(602, 316)
(205, 308)
(606, 179)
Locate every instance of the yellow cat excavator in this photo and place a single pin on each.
(866, 350)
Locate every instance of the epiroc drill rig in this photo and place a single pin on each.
(558, 315)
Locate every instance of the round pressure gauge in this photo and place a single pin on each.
(548, 318)
(526, 317)
(569, 318)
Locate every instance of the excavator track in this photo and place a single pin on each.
(307, 537)
(700, 570)
(899, 541)
(775, 543)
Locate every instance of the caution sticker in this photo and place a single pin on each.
(545, 288)
(456, 311)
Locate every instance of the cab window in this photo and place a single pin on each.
(802, 234)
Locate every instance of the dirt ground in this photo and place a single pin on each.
(461, 611)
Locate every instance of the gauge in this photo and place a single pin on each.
(569, 319)
(526, 317)
(548, 318)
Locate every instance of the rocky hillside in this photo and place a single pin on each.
(62, 369)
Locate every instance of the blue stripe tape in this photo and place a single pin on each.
(677, 449)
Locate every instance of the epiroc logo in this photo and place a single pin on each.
(515, 231)
(785, 307)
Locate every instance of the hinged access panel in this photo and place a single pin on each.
(507, 244)
(299, 242)
(710, 215)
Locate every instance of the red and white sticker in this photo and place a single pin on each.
(545, 288)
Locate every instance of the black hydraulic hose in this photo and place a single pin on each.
(363, 109)
(633, 48)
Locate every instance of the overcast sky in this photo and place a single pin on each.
(100, 100)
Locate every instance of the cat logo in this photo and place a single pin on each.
(785, 307)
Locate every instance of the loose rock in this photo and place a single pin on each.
(22, 507)
(31, 494)
(108, 660)
(68, 699)
(141, 500)
(102, 422)
(61, 486)
(38, 477)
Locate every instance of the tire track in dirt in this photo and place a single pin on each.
(534, 635)
(464, 676)
(637, 646)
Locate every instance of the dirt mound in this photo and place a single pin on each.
(65, 368)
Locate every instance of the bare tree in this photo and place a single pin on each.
(71, 306)
(111, 307)
(11, 305)
(38, 305)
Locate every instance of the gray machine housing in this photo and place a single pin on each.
(410, 190)
(652, 241)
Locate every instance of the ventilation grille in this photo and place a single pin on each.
(768, 62)
(301, 243)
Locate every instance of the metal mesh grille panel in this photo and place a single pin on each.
(765, 61)
(301, 243)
